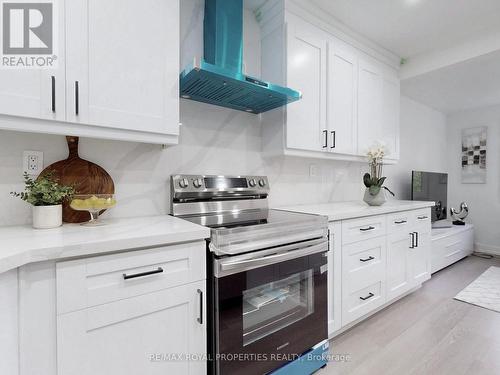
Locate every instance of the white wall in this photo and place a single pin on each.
(423, 145)
(483, 199)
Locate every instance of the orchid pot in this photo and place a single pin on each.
(375, 193)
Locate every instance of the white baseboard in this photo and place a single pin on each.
(487, 249)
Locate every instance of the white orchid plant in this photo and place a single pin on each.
(374, 180)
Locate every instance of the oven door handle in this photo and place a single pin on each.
(230, 267)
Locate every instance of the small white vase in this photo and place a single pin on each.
(375, 200)
(46, 217)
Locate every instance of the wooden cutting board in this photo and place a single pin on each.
(85, 176)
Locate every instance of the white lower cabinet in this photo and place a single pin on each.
(399, 272)
(139, 312)
(450, 245)
(420, 257)
(382, 257)
(136, 335)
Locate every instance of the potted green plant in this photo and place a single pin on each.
(46, 196)
(374, 182)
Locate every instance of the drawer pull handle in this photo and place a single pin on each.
(53, 98)
(77, 98)
(400, 222)
(141, 274)
(416, 239)
(200, 317)
(367, 259)
(366, 229)
(422, 217)
(370, 295)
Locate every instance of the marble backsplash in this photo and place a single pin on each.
(213, 141)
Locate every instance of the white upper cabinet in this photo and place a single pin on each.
(350, 94)
(123, 65)
(391, 99)
(117, 75)
(37, 93)
(342, 91)
(307, 71)
(369, 105)
(378, 107)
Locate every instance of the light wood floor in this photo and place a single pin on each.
(427, 332)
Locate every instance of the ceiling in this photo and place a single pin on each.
(411, 27)
(471, 84)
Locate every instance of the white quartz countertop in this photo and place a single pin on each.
(352, 209)
(21, 245)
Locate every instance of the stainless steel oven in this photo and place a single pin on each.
(269, 306)
(266, 270)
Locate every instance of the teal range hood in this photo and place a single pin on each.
(218, 78)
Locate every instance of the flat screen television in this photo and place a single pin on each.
(430, 186)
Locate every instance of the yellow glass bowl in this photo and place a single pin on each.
(92, 203)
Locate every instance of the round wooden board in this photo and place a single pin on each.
(85, 176)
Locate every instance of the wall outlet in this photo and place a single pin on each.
(32, 162)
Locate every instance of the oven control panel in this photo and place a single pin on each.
(230, 184)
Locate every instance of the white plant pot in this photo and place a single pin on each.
(375, 200)
(46, 217)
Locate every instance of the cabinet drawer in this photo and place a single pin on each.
(362, 301)
(363, 263)
(355, 230)
(448, 250)
(400, 222)
(422, 216)
(98, 280)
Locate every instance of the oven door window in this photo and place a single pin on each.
(276, 305)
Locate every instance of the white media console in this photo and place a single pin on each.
(449, 245)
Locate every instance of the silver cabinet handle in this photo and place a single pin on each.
(400, 222)
(367, 259)
(422, 217)
(416, 239)
(53, 99)
(412, 238)
(200, 317)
